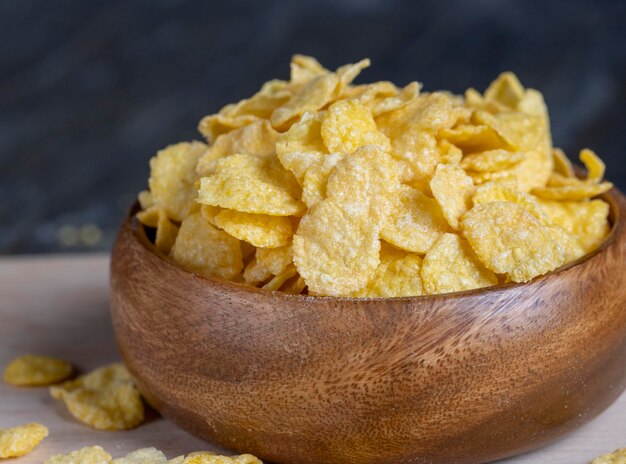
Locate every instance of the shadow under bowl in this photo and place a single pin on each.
(455, 378)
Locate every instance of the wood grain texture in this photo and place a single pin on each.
(460, 378)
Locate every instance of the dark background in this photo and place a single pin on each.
(89, 90)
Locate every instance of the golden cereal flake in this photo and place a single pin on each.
(172, 178)
(304, 68)
(251, 184)
(562, 165)
(492, 160)
(202, 248)
(316, 177)
(453, 189)
(87, 455)
(586, 221)
(211, 458)
(472, 138)
(510, 240)
(166, 230)
(506, 89)
(267, 262)
(416, 221)
(452, 266)
(105, 399)
(595, 166)
(281, 278)
(142, 456)
(34, 370)
(616, 457)
(21, 440)
(257, 229)
(579, 191)
(348, 125)
(492, 191)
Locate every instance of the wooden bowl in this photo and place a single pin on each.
(457, 378)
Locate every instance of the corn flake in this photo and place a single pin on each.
(251, 184)
(562, 165)
(453, 190)
(257, 229)
(492, 191)
(31, 370)
(105, 399)
(202, 248)
(21, 440)
(87, 455)
(617, 457)
(211, 458)
(166, 230)
(142, 456)
(492, 160)
(452, 266)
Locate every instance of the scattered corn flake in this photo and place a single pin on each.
(172, 178)
(87, 455)
(105, 399)
(491, 160)
(211, 458)
(21, 440)
(616, 457)
(492, 191)
(415, 223)
(202, 248)
(142, 456)
(452, 266)
(251, 184)
(257, 138)
(586, 221)
(397, 275)
(349, 125)
(510, 240)
(453, 189)
(259, 230)
(562, 165)
(595, 166)
(32, 370)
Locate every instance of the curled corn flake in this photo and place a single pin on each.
(172, 178)
(415, 223)
(579, 191)
(166, 230)
(492, 191)
(452, 266)
(251, 184)
(257, 229)
(616, 457)
(202, 248)
(348, 125)
(31, 370)
(211, 458)
(510, 240)
(595, 166)
(257, 138)
(506, 89)
(87, 455)
(453, 190)
(142, 456)
(105, 399)
(586, 221)
(393, 102)
(473, 138)
(492, 160)
(398, 274)
(145, 199)
(562, 165)
(21, 440)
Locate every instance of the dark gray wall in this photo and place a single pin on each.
(90, 89)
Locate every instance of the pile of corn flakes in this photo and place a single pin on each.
(316, 185)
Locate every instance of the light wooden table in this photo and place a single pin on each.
(58, 305)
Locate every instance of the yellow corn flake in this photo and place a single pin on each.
(562, 165)
(595, 166)
(304, 68)
(492, 160)
(385, 104)
(251, 184)
(21, 440)
(142, 456)
(397, 275)
(87, 455)
(452, 266)
(510, 240)
(314, 183)
(166, 230)
(586, 221)
(473, 138)
(257, 138)
(257, 229)
(209, 212)
(172, 178)
(492, 191)
(578, 191)
(32, 370)
(145, 199)
(267, 262)
(416, 222)
(571, 248)
(449, 154)
(453, 190)
(211, 458)
(505, 178)
(349, 125)
(202, 248)
(105, 399)
(616, 457)
(295, 286)
(506, 89)
(281, 278)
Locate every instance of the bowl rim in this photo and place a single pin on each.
(617, 218)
